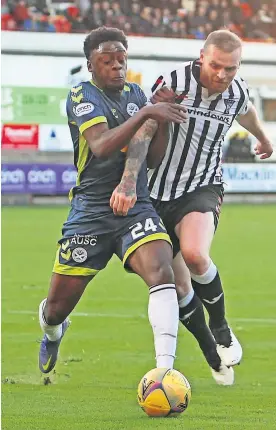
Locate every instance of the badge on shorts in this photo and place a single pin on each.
(79, 255)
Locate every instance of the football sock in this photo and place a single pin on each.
(208, 288)
(53, 332)
(163, 316)
(191, 314)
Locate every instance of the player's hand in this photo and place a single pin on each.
(123, 198)
(264, 149)
(164, 94)
(167, 112)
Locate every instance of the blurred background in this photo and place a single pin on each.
(42, 57)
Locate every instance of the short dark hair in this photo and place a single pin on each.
(100, 35)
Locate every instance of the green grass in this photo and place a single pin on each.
(104, 355)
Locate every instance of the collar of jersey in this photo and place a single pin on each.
(93, 83)
(126, 87)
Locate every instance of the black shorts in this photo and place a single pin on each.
(204, 199)
(88, 242)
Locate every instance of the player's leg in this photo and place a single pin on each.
(78, 259)
(196, 231)
(65, 292)
(152, 262)
(191, 315)
(191, 312)
(145, 248)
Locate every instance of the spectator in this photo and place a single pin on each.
(252, 29)
(20, 13)
(226, 19)
(199, 32)
(264, 14)
(83, 6)
(45, 24)
(215, 20)
(236, 13)
(183, 29)
(110, 19)
(117, 9)
(158, 28)
(178, 18)
(189, 5)
(93, 18)
(197, 19)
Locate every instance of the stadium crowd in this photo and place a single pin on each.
(250, 19)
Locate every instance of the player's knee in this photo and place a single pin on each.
(196, 260)
(161, 274)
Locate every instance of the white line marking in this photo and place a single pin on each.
(84, 314)
(267, 321)
(255, 320)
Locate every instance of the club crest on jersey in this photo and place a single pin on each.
(83, 109)
(132, 108)
(228, 104)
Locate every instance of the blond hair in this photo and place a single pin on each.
(223, 40)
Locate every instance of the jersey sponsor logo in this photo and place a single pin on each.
(228, 104)
(79, 255)
(132, 108)
(83, 109)
(209, 114)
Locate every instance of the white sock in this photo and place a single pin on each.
(208, 276)
(53, 332)
(163, 314)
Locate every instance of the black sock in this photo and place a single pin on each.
(212, 297)
(193, 318)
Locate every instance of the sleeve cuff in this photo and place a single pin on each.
(92, 122)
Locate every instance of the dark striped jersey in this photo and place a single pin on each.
(193, 155)
(88, 105)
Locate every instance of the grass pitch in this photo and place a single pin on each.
(109, 345)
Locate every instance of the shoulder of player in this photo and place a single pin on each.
(84, 91)
(239, 80)
(135, 91)
(132, 86)
(179, 70)
(84, 86)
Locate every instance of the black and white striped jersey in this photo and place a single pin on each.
(193, 155)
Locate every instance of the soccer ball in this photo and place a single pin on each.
(164, 392)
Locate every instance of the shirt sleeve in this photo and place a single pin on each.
(247, 102)
(84, 108)
(160, 82)
(143, 97)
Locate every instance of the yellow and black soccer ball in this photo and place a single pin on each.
(163, 393)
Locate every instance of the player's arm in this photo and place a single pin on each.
(104, 141)
(251, 122)
(84, 109)
(158, 145)
(157, 149)
(124, 196)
